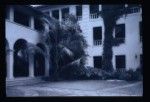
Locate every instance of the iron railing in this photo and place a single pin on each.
(97, 42)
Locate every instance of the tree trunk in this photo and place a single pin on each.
(109, 24)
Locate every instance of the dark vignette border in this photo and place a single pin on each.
(36, 99)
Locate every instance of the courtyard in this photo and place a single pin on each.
(78, 88)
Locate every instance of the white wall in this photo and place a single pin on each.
(132, 46)
(16, 31)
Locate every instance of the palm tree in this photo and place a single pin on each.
(67, 43)
(28, 50)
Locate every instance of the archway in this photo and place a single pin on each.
(21, 62)
(39, 61)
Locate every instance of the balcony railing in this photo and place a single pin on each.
(79, 18)
(94, 16)
(121, 70)
(97, 42)
(133, 10)
(128, 11)
(118, 41)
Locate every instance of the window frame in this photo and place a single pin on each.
(96, 33)
(57, 10)
(118, 61)
(64, 14)
(78, 7)
(37, 24)
(18, 16)
(91, 9)
(98, 58)
(124, 32)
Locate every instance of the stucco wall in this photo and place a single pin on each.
(15, 31)
(132, 48)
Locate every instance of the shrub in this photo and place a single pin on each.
(95, 73)
(129, 75)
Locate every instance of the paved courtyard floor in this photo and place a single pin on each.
(78, 88)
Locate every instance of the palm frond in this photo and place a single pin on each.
(32, 49)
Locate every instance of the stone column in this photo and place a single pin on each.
(100, 7)
(85, 12)
(72, 10)
(11, 14)
(31, 22)
(10, 62)
(60, 15)
(47, 65)
(50, 13)
(31, 65)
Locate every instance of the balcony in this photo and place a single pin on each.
(121, 70)
(94, 16)
(118, 41)
(79, 18)
(133, 10)
(97, 42)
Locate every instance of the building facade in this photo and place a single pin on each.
(23, 27)
(127, 55)
(23, 30)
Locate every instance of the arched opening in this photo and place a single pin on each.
(21, 62)
(39, 62)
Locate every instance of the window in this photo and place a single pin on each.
(38, 24)
(140, 28)
(97, 35)
(97, 61)
(120, 62)
(55, 14)
(94, 9)
(65, 11)
(120, 31)
(79, 12)
(21, 18)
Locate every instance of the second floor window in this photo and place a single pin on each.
(79, 12)
(38, 24)
(97, 35)
(21, 18)
(65, 11)
(94, 9)
(120, 31)
(55, 14)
